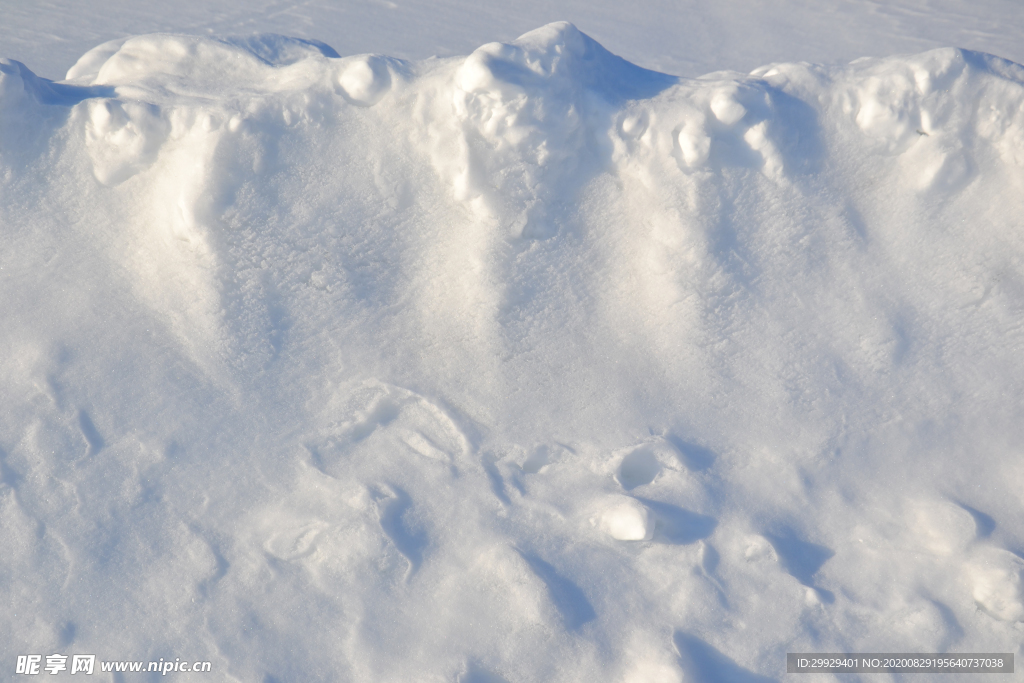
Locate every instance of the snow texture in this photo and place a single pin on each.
(531, 365)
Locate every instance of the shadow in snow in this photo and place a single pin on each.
(67, 634)
(678, 525)
(539, 458)
(567, 597)
(639, 467)
(278, 50)
(695, 458)
(709, 558)
(477, 674)
(799, 140)
(90, 433)
(953, 628)
(7, 475)
(206, 585)
(494, 477)
(47, 92)
(801, 559)
(704, 664)
(983, 524)
(408, 541)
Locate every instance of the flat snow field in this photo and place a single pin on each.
(346, 356)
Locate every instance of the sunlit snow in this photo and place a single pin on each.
(527, 365)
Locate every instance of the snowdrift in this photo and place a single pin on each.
(532, 365)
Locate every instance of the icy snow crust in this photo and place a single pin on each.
(527, 366)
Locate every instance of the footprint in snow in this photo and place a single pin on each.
(643, 463)
(296, 542)
(397, 521)
(638, 467)
(386, 418)
(544, 455)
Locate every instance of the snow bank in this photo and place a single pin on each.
(532, 365)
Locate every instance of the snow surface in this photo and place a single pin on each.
(531, 365)
(682, 37)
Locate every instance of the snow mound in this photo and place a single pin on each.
(528, 365)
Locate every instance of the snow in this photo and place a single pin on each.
(682, 37)
(531, 364)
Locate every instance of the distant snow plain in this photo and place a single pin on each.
(526, 365)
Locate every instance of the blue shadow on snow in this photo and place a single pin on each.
(677, 525)
(704, 664)
(566, 596)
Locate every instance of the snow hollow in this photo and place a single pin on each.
(531, 365)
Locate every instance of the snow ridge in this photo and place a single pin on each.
(527, 365)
